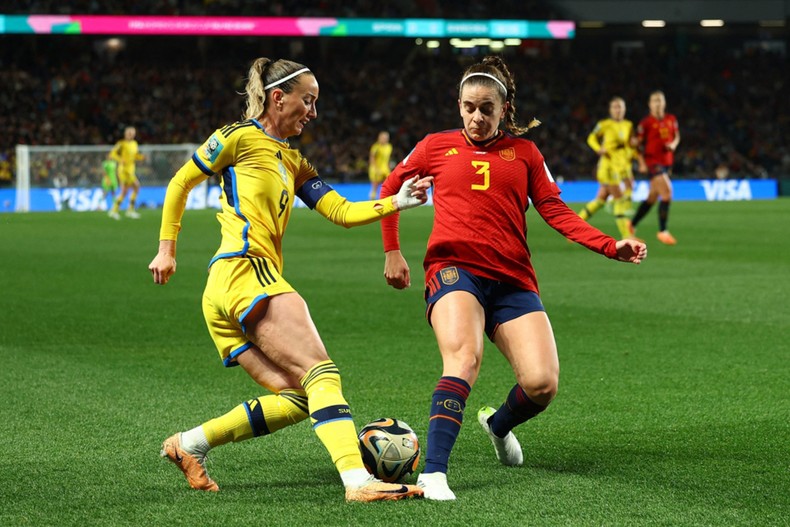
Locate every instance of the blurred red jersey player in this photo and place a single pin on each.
(659, 136)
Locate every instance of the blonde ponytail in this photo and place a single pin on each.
(264, 72)
(256, 96)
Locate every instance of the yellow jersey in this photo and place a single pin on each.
(615, 137)
(260, 175)
(126, 153)
(380, 154)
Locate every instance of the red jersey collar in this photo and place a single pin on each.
(482, 144)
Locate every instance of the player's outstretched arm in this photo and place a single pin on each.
(340, 211)
(396, 270)
(163, 266)
(631, 251)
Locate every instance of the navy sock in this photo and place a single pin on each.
(518, 408)
(447, 414)
(643, 209)
(663, 215)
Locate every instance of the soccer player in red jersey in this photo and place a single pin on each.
(659, 137)
(479, 278)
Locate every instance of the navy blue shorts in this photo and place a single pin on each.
(501, 302)
(658, 170)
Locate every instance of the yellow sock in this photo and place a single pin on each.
(116, 204)
(591, 208)
(132, 200)
(621, 208)
(331, 416)
(256, 417)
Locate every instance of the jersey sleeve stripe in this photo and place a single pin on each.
(203, 168)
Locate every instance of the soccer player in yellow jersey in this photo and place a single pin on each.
(256, 319)
(126, 152)
(379, 163)
(611, 140)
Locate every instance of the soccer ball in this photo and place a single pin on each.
(390, 449)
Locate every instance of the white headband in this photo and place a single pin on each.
(287, 78)
(480, 74)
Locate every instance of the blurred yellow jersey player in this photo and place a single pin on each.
(611, 139)
(379, 163)
(126, 152)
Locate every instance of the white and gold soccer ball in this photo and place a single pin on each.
(390, 449)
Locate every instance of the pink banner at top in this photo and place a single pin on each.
(161, 25)
(561, 28)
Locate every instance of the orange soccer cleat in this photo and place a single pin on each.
(376, 490)
(193, 466)
(666, 238)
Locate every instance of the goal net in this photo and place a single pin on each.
(70, 177)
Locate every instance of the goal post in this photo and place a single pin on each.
(62, 177)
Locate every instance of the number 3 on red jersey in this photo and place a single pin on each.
(482, 168)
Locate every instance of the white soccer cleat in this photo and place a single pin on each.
(508, 449)
(133, 214)
(114, 215)
(435, 487)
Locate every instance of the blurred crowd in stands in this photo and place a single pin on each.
(470, 9)
(730, 99)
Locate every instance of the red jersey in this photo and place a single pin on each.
(481, 192)
(654, 136)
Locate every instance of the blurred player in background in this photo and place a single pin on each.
(659, 136)
(109, 180)
(611, 140)
(379, 162)
(256, 319)
(126, 152)
(479, 279)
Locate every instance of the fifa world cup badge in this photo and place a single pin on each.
(213, 148)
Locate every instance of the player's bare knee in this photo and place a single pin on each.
(463, 362)
(541, 387)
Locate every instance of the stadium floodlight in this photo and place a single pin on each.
(496, 45)
(772, 23)
(512, 41)
(432, 44)
(654, 23)
(712, 22)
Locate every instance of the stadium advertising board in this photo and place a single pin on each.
(207, 196)
(284, 26)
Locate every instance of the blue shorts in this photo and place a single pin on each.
(501, 301)
(658, 170)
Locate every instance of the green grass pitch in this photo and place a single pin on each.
(674, 402)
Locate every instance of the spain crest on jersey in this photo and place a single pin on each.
(508, 154)
(449, 275)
